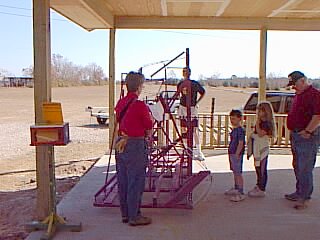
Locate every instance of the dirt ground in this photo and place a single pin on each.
(89, 142)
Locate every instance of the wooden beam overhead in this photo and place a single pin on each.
(100, 10)
(285, 6)
(232, 23)
(223, 7)
(164, 8)
(263, 65)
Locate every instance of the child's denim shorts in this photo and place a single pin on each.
(235, 163)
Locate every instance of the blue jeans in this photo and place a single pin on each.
(262, 174)
(304, 153)
(236, 164)
(131, 172)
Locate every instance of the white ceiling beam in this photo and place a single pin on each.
(232, 23)
(100, 11)
(283, 7)
(164, 8)
(223, 7)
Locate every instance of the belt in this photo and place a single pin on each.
(127, 137)
(136, 137)
(297, 130)
(123, 135)
(122, 142)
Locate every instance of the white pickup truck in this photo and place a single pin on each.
(102, 113)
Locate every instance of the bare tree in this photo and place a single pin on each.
(94, 73)
(28, 71)
(65, 72)
(201, 77)
(4, 72)
(172, 75)
(215, 75)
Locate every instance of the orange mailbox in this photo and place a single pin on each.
(54, 131)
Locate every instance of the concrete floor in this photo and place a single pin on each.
(213, 218)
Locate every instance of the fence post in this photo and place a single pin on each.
(204, 129)
(226, 132)
(219, 131)
(212, 121)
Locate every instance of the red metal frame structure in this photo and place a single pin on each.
(170, 179)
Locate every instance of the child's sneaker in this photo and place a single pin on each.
(238, 197)
(198, 155)
(256, 192)
(255, 189)
(231, 192)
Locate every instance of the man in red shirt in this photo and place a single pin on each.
(304, 124)
(134, 121)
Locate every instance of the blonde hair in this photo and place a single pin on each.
(268, 109)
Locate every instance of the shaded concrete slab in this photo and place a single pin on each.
(214, 217)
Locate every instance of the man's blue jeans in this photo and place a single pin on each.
(304, 153)
(131, 171)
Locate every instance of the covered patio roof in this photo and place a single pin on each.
(260, 15)
(191, 14)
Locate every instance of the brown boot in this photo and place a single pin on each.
(140, 220)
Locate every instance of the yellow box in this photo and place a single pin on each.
(52, 113)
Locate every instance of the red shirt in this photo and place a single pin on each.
(137, 118)
(304, 106)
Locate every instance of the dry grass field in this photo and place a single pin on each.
(89, 142)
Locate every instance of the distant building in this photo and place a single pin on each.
(16, 82)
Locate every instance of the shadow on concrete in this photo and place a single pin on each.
(214, 217)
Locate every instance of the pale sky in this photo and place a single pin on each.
(212, 52)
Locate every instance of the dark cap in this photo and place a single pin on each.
(294, 77)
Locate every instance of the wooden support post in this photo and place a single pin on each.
(112, 84)
(42, 93)
(263, 63)
(45, 165)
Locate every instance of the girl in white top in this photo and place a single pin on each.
(258, 146)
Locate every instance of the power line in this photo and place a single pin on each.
(13, 14)
(22, 15)
(5, 6)
(195, 34)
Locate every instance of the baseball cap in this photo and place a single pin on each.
(295, 76)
